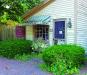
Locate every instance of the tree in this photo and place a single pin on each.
(14, 9)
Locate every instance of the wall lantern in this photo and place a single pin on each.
(69, 24)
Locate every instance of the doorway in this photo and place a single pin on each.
(59, 32)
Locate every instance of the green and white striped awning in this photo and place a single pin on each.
(42, 19)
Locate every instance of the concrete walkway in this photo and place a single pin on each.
(13, 67)
(83, 70)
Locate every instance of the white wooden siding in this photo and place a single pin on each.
(61, 9)
(82, 23)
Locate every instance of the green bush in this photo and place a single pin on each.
(69, 52)
(10, 48)
(64, 58)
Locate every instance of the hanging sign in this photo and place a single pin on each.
(20, 31)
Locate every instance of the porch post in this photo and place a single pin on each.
(29, 32)
(51, 32)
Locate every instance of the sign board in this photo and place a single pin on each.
(20, 31)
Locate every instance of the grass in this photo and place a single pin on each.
(34, 55)
(27, 57)
(23, 57)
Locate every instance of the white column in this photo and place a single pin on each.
(51, 32)
(29, 32)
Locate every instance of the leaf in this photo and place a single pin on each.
(16, 10)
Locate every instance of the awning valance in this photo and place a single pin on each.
(42, 19)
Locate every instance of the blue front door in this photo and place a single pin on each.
(59, 30)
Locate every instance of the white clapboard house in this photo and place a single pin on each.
(58, 21)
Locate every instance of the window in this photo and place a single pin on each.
(41, 31)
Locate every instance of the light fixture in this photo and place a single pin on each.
(69, 24)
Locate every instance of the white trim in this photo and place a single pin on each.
(61, 19)
(51, 33)
(75, 19)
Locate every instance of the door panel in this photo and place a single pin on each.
(59, 30)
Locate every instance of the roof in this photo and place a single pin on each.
(37, 9)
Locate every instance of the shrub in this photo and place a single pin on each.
(69, 52)
(62, 68)
(38, 45)
(64, 58)
(10, 48)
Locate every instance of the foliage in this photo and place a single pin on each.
(69, 52)
(10, 48)
(60, 68)
(64, 59)
(23, 57)
(4, 20)
(34, 55)
(63, 68)
(11, 23)
(14, 9)
(38, 45)
(4, 17)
